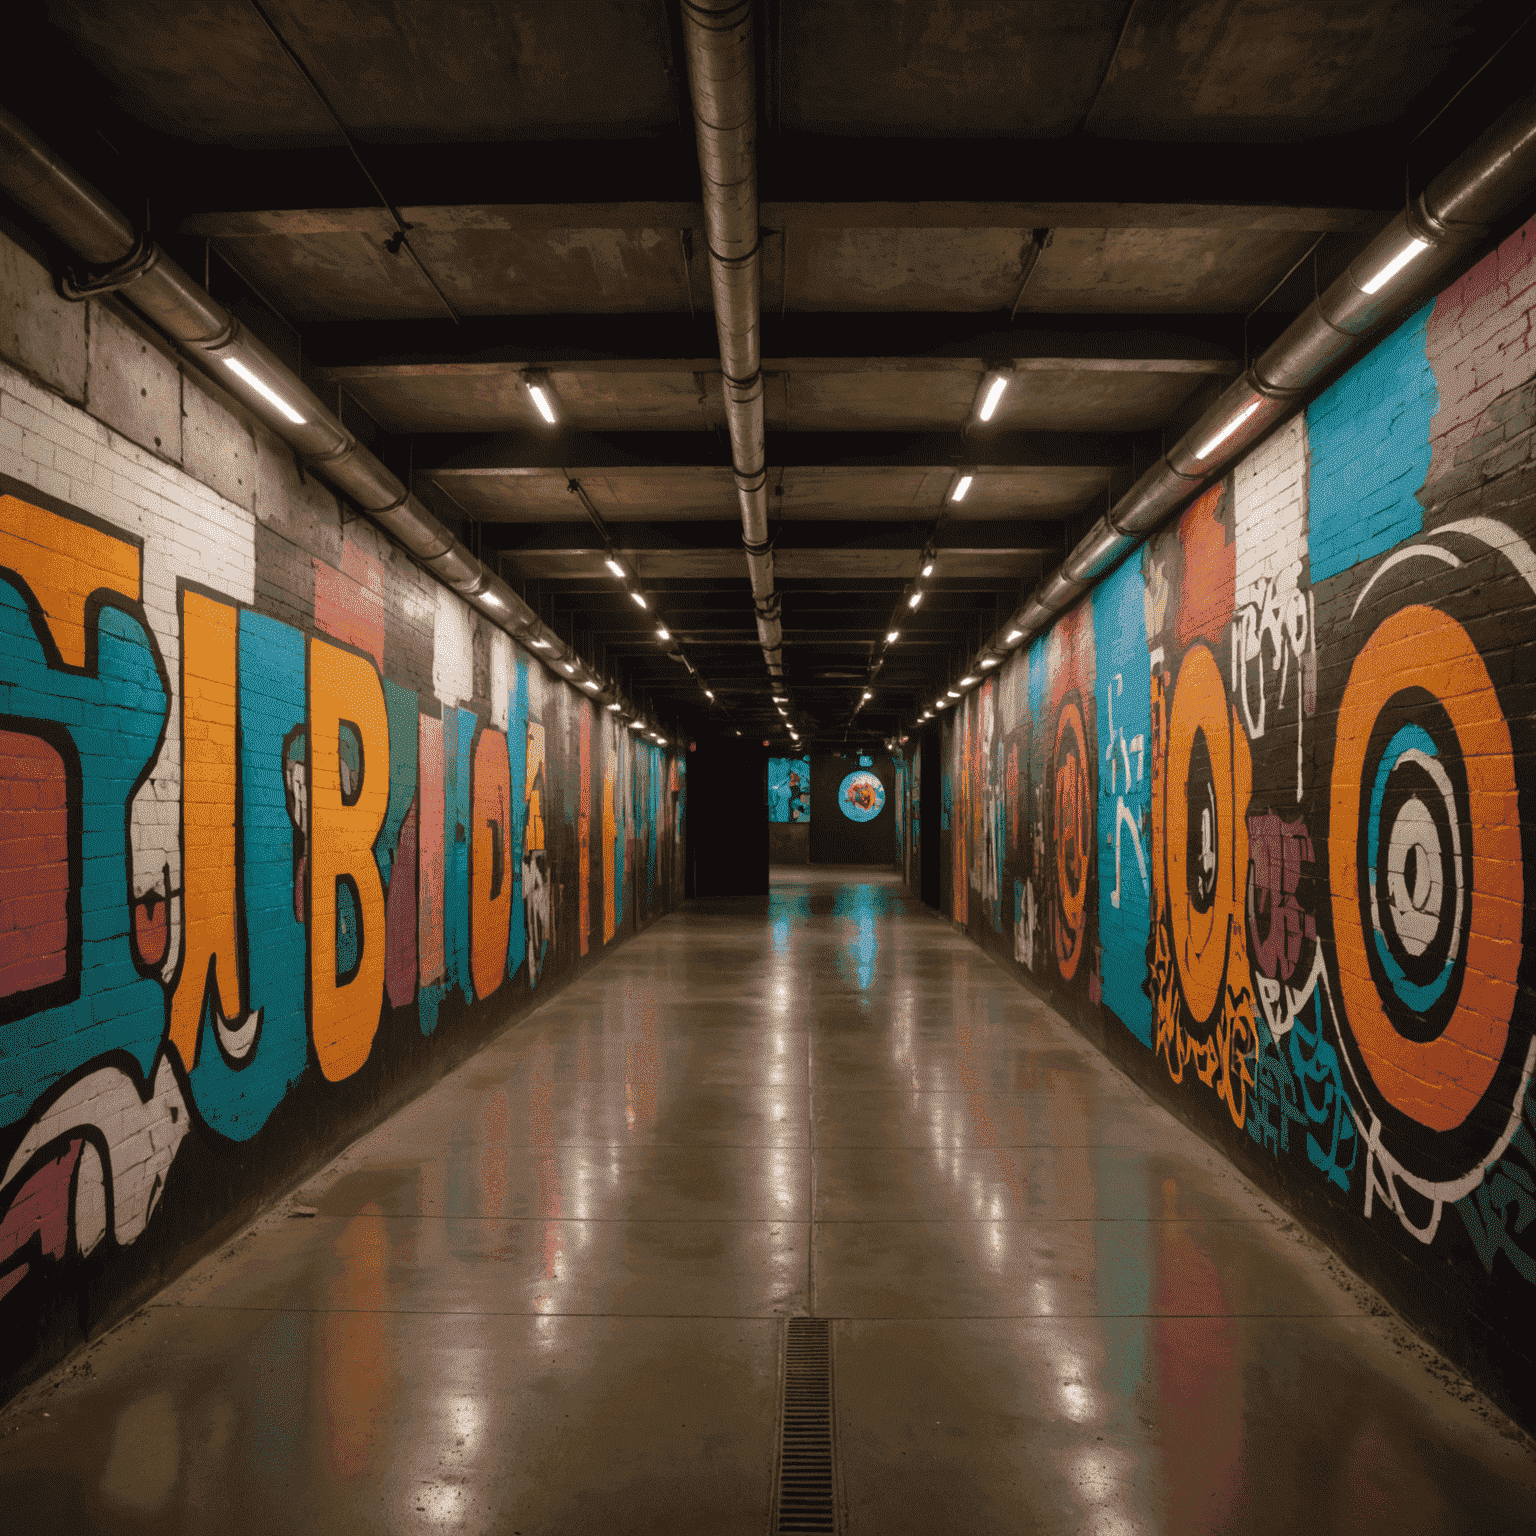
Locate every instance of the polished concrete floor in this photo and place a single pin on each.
(548, 1296)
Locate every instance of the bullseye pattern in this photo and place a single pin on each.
(1414, 875)
(1072, 813)
(1425, 868)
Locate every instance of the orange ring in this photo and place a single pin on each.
(1439, 1082)
(1199, 938)
(1074, 903)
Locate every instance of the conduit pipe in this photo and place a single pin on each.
(1450, 218)
(721, 77)
(136, 269)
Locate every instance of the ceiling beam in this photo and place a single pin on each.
(819, 342)
(778, 218)
(575, 453)
(1324, 179)
(808, 533)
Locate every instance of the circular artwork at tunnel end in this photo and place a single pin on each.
(861, 796)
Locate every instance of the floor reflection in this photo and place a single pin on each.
(547, 1295)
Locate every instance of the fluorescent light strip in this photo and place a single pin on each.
(615, 567)
(266, 392)
(962, 485)
(914, 600)
(999, 384)
(1396, 265)
(540, 400)
(893, 637)
(989, 661)
(1015, 634)
(640, 599)
(1229, 429)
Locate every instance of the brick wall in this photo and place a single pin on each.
(1258, 814)
(285, 827)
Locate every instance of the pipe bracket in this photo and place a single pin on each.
(141, 258)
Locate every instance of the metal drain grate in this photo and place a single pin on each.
(807, 1493)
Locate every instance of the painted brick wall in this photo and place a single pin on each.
(1258, 815)
(285, 828)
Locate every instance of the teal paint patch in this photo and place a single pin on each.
(517, 763)
(458, 758)
(401, 706)
(112, 724)
(428, 1000)
(236, 1101)
(1368, 442)
(1124, 822)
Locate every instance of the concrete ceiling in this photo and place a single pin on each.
(1194, 168)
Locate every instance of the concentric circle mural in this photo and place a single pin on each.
(861, 796)
(1426, 873)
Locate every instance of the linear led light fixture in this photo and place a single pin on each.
(1014, 634)
(637, 725)
(915, 599)
(989, 661)
(614, 566)
(662, 632)
(570, 667)
(994, 386)
(615, 707)
(639, 597)
(928, 567)
(1396, 265)
(265, 390)
(587, 682)
(961, 486)
(893, 637)
(949, 693)
(965, 682)
(536, 382)
(867, 695)
(1229, 429)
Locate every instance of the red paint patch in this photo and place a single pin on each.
(1207, 593)
(151, 927)
(34, 864)
(41, 1206)
(400, 918)
(349, 603)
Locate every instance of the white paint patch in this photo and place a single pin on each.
(501, 677)
(453, 650)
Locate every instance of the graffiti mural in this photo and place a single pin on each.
(1258, 800)
(246, 860)
(789, 789)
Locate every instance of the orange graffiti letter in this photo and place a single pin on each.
(490, 899)
(345, 1014)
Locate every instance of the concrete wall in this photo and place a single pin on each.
(1258, 814)
(285, 827)
(789, 842)
(853, 814)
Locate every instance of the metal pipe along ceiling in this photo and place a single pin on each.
(1450, 219)
(81, 219)
(721, 75)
